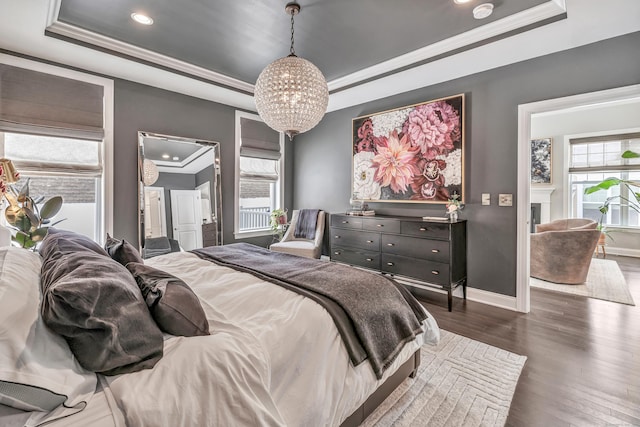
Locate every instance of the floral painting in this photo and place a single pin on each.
(541, 161)
(410, 154)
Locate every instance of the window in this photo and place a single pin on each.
(56, 127)
(259, 183)
(594, 159)
(61, 167)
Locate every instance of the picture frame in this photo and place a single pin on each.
(410, 154)
(541, 161)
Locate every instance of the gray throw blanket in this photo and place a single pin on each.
(155, 246)
(375, 315)
(306, 224)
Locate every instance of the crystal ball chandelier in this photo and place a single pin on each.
(291, 94)
(150, 172)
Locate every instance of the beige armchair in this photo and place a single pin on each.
(561, 250)
(302, 247)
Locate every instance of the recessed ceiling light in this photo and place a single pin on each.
(482, 11)
(141, 18)
(461, 1)
(176, 158)
(165, 156)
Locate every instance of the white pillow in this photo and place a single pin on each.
(38, 371)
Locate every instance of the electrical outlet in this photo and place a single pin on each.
(486, 199)
(505, 200)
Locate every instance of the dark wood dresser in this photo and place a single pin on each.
(209, 234)
(424, 254)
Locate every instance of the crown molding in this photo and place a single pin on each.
(526, 18)
(136, 53)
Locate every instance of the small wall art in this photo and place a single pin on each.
(541, 161)
(412, 154)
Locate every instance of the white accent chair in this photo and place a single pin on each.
(301, 247)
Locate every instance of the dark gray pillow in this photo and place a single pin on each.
(122, 251)
(173, 305)
(94, 303)
(69, 241)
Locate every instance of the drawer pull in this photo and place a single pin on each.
(345, 222)
(337, 237)
(390, 264)
(379, 225)
(369, 241)
(435, 272)
(423, 229)
(369, 259)
(435, 251)
(391, 244)
(336, 253)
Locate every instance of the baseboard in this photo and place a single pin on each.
(623, 251)
(489, 298)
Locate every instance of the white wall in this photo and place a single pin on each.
(561, 125)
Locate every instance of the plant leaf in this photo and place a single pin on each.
(39, 234)
(51, 207)
(604, 185)
(630, 154)
(21, 238)
(33, 218)
(22, 222)
(58, 222)
(24, 192)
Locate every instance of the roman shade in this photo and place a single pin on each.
(257, 140)
(603, 153)
(43, 104)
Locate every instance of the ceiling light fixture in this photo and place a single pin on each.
(141, 18)
(461, 1)
(165, 156)
(291, 94)
(483, 11)
(176, 158)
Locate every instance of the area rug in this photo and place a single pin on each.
(604, 281)
(460, 382)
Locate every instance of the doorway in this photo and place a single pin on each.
(525, 113)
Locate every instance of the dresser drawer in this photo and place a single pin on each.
(425, 229)
(355, 239)
(346, 221)
(433, 250)
(381, 225)
(356, 257)
(429, 271)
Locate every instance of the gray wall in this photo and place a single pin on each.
(139, 107)
(322, 157)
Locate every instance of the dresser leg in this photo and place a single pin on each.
(464, 289)
(450, 299)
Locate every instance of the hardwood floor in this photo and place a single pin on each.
(583, 366)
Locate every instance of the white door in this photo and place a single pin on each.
(155, 224)
(186, 213)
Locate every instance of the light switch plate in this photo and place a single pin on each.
(505, 200)
(486, 199)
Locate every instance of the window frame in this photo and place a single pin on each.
(237, 233)
(625, 136)
(106, 203)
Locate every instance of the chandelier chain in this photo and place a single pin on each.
(291, 50)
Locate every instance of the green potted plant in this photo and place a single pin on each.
(29, 221)
(633, 200)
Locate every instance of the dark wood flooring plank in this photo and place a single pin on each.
(583, 366)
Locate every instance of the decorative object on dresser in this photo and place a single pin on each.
(410, 154)
(419, 253)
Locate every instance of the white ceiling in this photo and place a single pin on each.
(23, 24)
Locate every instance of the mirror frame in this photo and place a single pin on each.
(217, 196)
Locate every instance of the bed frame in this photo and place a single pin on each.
(407, 369)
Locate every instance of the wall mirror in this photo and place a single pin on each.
(179, 197)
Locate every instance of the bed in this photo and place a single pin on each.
(272, 357)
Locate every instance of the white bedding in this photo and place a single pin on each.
(273, 358)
